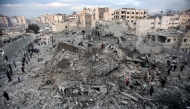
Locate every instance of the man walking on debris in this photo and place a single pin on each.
(6, 58)
(151, 90)
(169, 71)
(163, 82)
(8, 75)
(6, 95)
(11, 71)
(22, 68)
(14, 63)
(127, 81)
(175, 66)
(168, 62)
(102, 46)
(182, 67)
(23, 64)
(153, 65)
(144, 87)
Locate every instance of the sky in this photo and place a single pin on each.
(36, 8)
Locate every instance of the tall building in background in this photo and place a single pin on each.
(60, 17)
(185, 18)
(13, 20)
(130, 14)
(22, 21)
(74, 16)
(4, 21)
(103, 14)
(82, 14)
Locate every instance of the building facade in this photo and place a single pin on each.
(102, 14)
(4, 21)
(14, 20)
(164, 22)
(130, 14)
(73, 17)
(22, 21)
(83, 16)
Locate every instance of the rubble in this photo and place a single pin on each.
(78, 73)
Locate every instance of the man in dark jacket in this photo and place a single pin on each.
(8, 75)
(151, 90)
(6, 95)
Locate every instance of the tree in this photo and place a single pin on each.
(33, 27)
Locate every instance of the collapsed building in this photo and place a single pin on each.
(77, 71)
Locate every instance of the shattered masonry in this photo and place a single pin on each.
(74, 72)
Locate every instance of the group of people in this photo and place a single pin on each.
(173, 67)
(127, 80)
(26, 58)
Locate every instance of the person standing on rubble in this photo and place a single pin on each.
(163, 82)
(6, 95)
(14, 63)
(151, 90)
(153, 65)
(127, 81)
(8, 75)
(22, 68)
(181, 69)
(168, 62)
(175, 66)
(6, 58)
(144, 87)
(23, 64)
(102, 46)
(11, 71)
(169, 71)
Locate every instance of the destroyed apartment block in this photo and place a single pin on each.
(109, 71)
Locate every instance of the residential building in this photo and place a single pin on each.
(13, 20)
(184, 18)
(102, 14)
(22, 21)
(60, 17)
(130, 14)
(4, 21)
(43, 19)
(170, 39)
(164, 22)
(74, 16)
(174, 21)
(83, 16)
(109, 15)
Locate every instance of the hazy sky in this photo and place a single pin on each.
(35, 8)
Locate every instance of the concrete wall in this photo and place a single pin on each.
(61, 26)
(150, 49)
(142, 26)
(165, 22)
(14, 47)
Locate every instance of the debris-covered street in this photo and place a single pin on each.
(74, 71)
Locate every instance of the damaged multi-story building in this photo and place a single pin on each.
(170, 39)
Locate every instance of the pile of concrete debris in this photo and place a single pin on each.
(77, 72)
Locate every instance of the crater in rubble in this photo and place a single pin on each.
(64, 63)
(66, 46)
